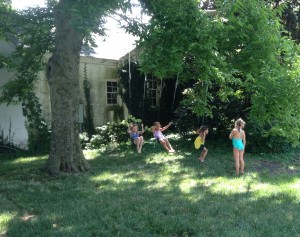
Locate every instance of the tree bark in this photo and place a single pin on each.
(63, 77)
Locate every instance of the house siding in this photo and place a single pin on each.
(98, 71)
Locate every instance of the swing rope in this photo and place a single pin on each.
(160, 94)
(144, 96)
(206, 93)
(129, 81)
(175, 89)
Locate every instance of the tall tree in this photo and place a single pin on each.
(74, 21)
(70, 24)
(237, 47)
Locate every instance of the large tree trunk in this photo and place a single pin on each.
(63, 77)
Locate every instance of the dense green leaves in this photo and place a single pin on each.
(237, 59)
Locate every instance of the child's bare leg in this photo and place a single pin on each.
(236, 154)
(164, 144)
(169, 146)
(141, 143)
(203, 154)
(137, 142)
(241, 160)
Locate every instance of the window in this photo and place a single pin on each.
(153, 92)
(112, 92)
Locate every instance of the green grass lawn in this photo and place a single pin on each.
(152, 194)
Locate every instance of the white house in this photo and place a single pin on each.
(12, 121)
(102, 74)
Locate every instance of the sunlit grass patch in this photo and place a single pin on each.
(26, 160)
(149, 194)
(5, 218)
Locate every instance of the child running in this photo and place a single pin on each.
(238, 137)
(200, 140)
(136, 136)
(157, 133)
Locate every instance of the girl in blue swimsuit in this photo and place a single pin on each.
(136, 136)
(238, 138)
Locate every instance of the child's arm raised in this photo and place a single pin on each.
(166, 127)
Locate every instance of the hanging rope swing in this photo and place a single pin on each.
(129, 81)
(160, 94)
(174, 95)
(144, 96)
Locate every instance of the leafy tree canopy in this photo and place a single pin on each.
(241, 50)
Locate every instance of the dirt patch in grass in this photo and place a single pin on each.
(274, 167)
(27, 217)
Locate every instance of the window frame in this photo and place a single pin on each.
(112, 92)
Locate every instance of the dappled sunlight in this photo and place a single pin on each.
(174, 136)
(26, 160)
(187, 184)
(111, 180)
(126, 191)
(91, 154)
(162, 182)
(293, 168)
(225, 186)
(160, 158)
(5, 219)
(295, 184)
(168, 173)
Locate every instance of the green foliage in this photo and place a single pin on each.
(163, 54)
(258, 142)
(33, 31)
(136, 95)
(237, 61)
(291, 18)
(111, 133)
(39, 140)
(32, 28)
(84, 140)
(184, 114)
(88, 119)
(6, 142)
(276, 103)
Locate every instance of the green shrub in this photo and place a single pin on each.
(186, 121)
(112, 132)
(39, 138)
(6, 142)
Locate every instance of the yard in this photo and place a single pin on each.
(152, 194)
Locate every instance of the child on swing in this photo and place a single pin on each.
(199, 142)
(157, 133)
(136, 136)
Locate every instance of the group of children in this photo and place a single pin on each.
(138, 140)
(237, 136)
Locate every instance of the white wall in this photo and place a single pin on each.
(12, 121)
(99, 71)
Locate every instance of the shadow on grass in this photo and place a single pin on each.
(149, 194)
